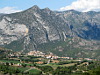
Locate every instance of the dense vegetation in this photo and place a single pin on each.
(80, 68)
(4, 52)
(63, 48)
(6, 69)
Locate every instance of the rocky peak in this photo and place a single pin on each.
(35, 7)
(46, 9)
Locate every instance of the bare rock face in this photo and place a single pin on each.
(85, 25)
(10, 32)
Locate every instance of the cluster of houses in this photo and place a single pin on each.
(36, 53)
(48, 56)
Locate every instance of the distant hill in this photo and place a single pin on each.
(1, 14)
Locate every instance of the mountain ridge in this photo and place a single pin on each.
(33, 27)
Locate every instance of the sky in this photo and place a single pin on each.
(11, 6)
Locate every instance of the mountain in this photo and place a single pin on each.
(34, 26)
(1, 14)
(85, 25)
(62, 33)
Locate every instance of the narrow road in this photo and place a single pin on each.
(28, 69)
(33, 68)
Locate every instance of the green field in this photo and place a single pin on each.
(54, 66)
(34, 72)
(22, 69)
(10, 61)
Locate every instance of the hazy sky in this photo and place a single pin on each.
(10, 6)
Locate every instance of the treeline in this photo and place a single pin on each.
(67, 62)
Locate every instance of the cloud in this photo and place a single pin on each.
(83, 5)
(9, 10)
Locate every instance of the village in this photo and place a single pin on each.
(42, 63)
(38, 57)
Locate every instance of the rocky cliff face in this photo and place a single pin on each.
(35, 26)
(85, 25)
